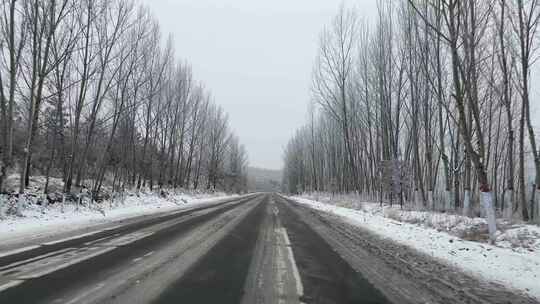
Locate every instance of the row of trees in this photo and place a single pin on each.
(91, 94)
(429, 105)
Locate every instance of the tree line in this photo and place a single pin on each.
(92, 94)
(428, 105)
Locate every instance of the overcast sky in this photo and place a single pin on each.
(256, 57)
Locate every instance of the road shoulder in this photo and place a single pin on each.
(404, 274)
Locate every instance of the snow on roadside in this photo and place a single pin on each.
(514, 234)
(36, 219)
(517, 269)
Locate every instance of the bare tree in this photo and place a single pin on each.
(332, 77)
(104, 104)
(528, 16)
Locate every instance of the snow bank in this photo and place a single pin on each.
(512, 234)
(509, 262)
(38, 219)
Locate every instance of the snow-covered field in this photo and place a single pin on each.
(34, 218)
(513, 261)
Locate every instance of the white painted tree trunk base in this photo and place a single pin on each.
(63, 203)
(508, 203)
(20, 207)
(417, 202)
(487, 202)
(467, 203)
(44, 203)
(3, 203)
(430, 200)
(448, 200)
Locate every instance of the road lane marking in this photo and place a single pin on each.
(111, 245)
(142, 257)
(135, 260)
(113, 228)
(126, 239)
(90, 243)
(78, 298)
(65, 265)
(20, 250)
(280, 273)
(34, 259)
(72, 238)
(108, 245)
(10, 284)
(296, 273)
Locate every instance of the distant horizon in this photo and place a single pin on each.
(269, 169)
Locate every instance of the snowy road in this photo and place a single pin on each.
(253, 249)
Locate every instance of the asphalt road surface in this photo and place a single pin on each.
(259, 248)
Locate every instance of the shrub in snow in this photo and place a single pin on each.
(525, 237)
(15, 204)
(392, 213)
(478, 233)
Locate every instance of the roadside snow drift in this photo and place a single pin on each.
(34, 218)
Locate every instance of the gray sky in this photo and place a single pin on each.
(256, 57)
